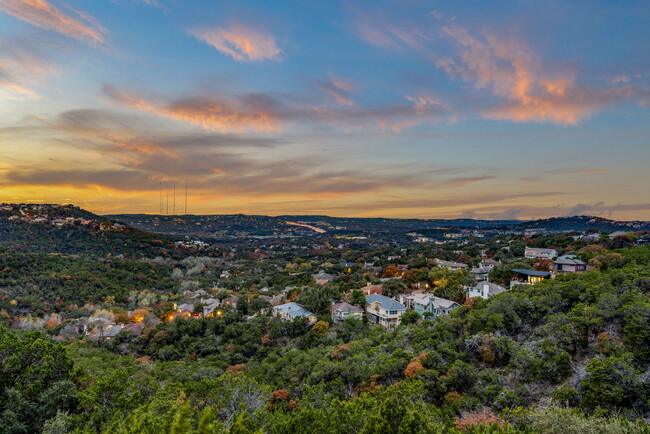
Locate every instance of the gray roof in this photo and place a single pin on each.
(569, 260)
(442, 263)
(293, 310)
(321, 275)
(346, 307)
(385, 302)
(493, 288)
(532, 272)
(441, 303)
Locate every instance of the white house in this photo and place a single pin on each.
(537, 253)
(485, 290)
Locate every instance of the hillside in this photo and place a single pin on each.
(223, 227)
(71, 230)
(566, 355)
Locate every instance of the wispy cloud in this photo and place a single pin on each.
(40, 13)
(337, 88)
(22, 65)
(250, 112)
(241, 42)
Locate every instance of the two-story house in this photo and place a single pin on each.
(383, 310)
(290, 311)
(568, 264)
(485, 290)
(537, 253)
(428, 303)
(341, 311)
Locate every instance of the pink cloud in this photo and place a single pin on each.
(42, 14)
(240, 42)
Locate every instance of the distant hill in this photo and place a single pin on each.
(71, 230)
(240, 225)
(583, 223)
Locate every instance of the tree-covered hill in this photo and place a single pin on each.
(566, 355)
(72, 230)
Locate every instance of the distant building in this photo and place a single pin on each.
(290, 311)
(451, 265)
(428, 303)
(322, 277)
(383, 310)
(569, 264)
(528, 277)
(537, 253)
(617, 234)
(371, 289)
(485, 290)
(480, 274)
(341, 310)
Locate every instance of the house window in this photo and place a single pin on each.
(393, 312)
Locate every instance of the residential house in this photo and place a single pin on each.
(383, 310)
(528, 277)
(210, 305)
(322, 277)
(537, 253)
(485, 290)
(371, 289)
(290, 311)
(617, 234)
(451, 265)
(428, 303)
(480, 274)
(568, 264)
(489, 263)
(341, 310)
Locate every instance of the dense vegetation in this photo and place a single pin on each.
(42, 283)
(567, 355)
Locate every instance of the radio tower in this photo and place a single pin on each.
(167, 204)
(160, 210)
(174, 205)
(185, 199)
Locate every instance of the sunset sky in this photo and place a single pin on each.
(431, 109)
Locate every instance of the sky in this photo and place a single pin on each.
(420, 109)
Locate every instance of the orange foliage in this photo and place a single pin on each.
(472, 419)
(236, 369)
(412, 369)
(341, 351)
(390, 271)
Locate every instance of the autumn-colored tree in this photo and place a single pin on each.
(236, 369)
(412, 369)
(321, 328)
(390, 271)
(473, 419)
(543, 265)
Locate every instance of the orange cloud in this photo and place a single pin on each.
(509, 69)
(209, 113)
(42, 14)
(240, 42)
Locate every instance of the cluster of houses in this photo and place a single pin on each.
(387, 311)
(50, 215)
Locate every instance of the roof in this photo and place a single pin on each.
(384, 302)
(539, 250)
(321, 275)
(493, 288)
(343, 306)
(293, 310)
(569, 260)
(443, 303)
(442, 263)
(532, 272)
